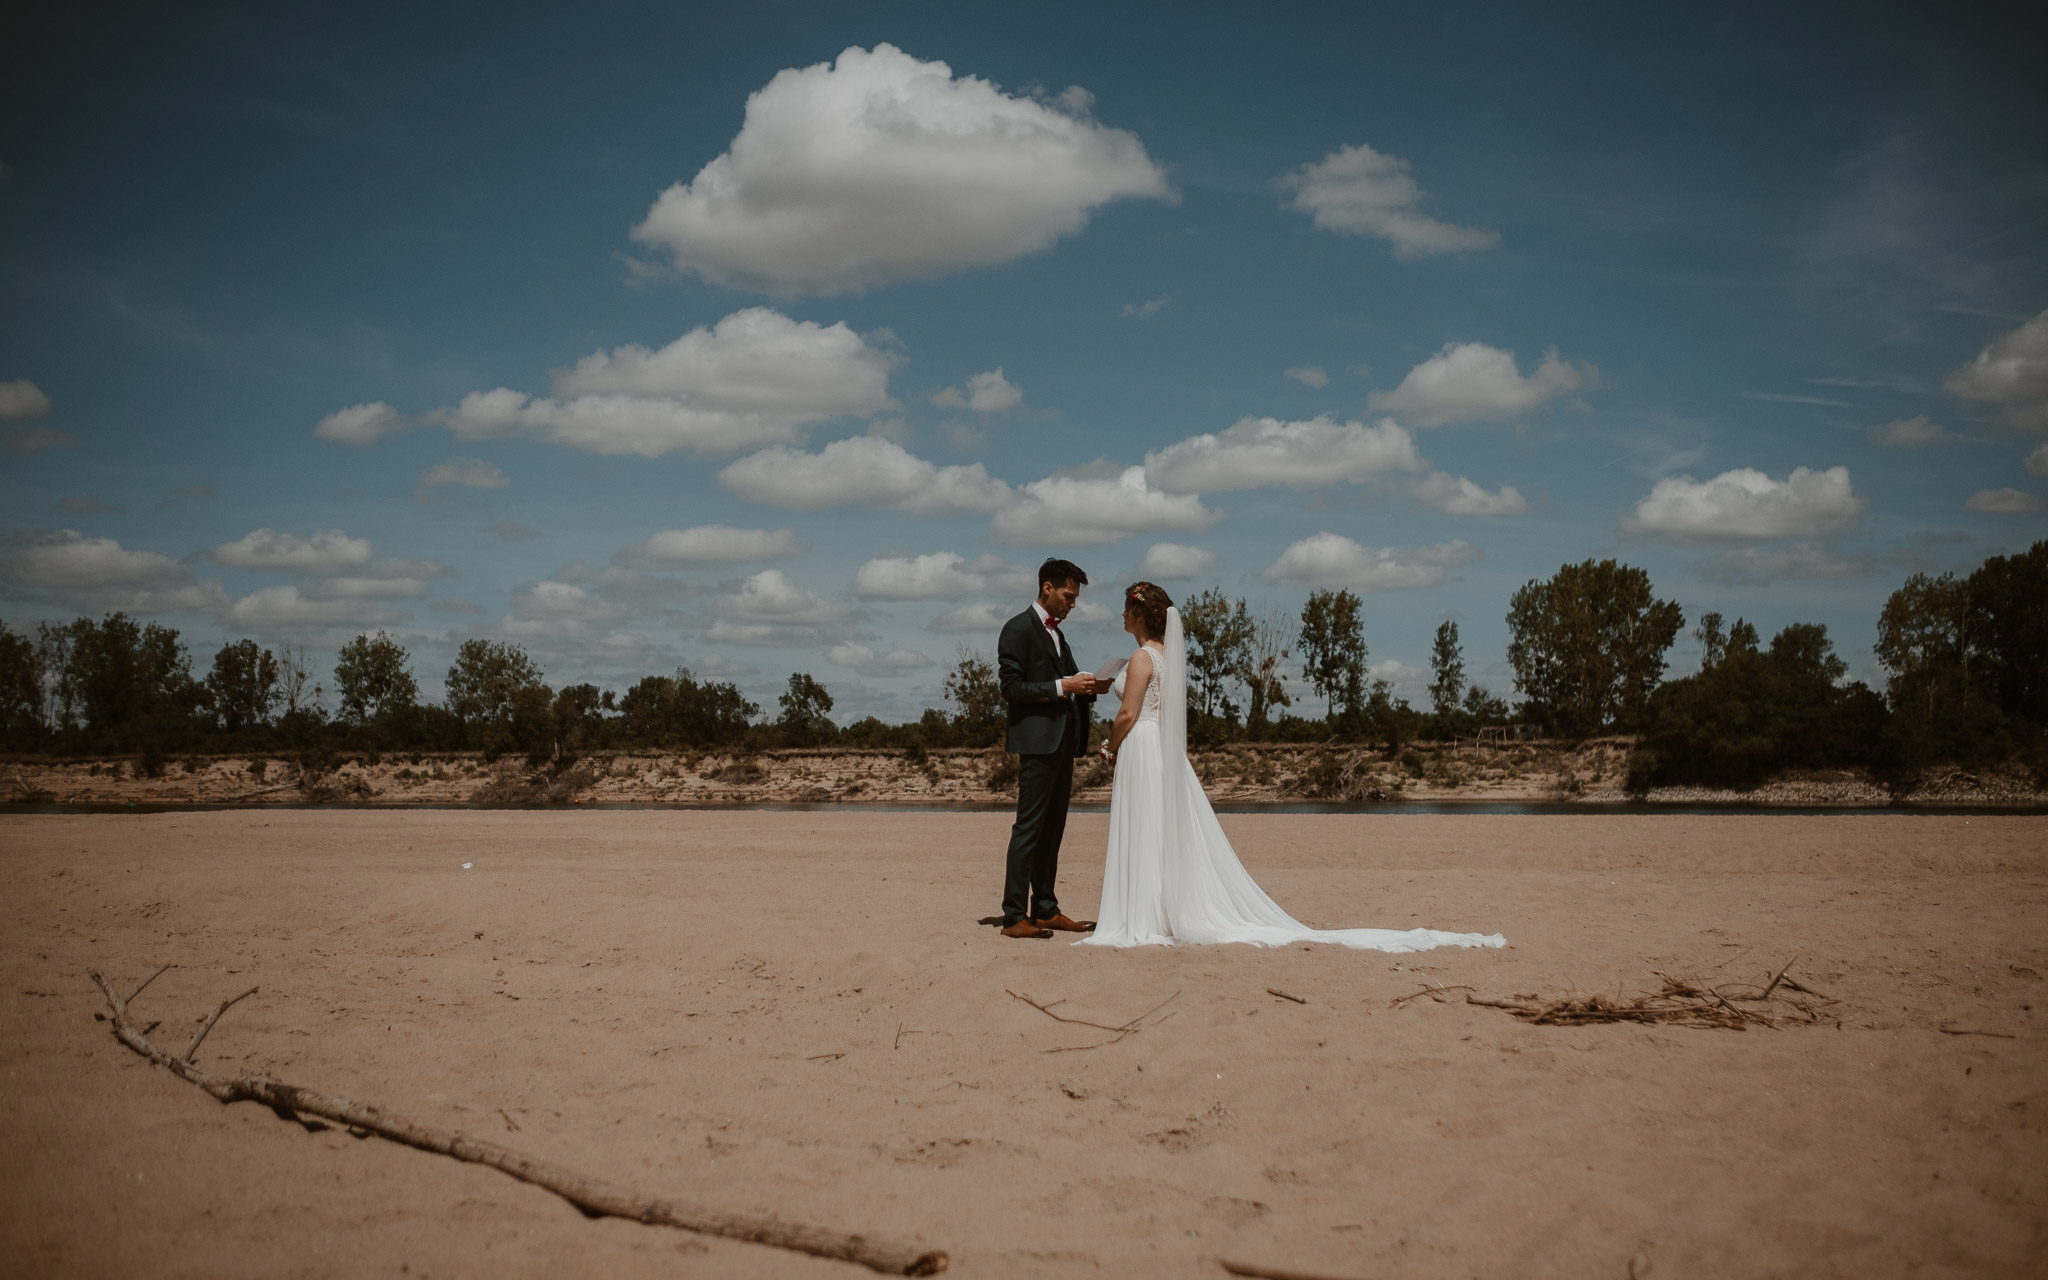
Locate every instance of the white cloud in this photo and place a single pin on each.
(327, 551)
(867, 662)
(1308, 375)
(863, 471)
(1755, 566)
(755, 378)
(1148, 308)
(554, 600)
(1455, 495)
(988, 392)
(1472, 382)
(882, 168)
(770, 597)
(1170, 561)
(710, 544)
(473, 473)
(1361, 192)
(777, 635)
(1746, 504)
(69, 562)
(1301, 455)
(360, 423)
(2037, 461)
(2011, 371)
(2002, 501)
(1910, 433)
(938, 576)
(273, 609)
(1332, 560)
(1078, 510)
(22, 399)
(979, 619)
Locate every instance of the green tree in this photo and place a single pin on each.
(1483, 707)
(1333, 653)
(1219, 633)
(806, 720)
(1713, 640)
(1447, 663)
(21, 692)
(677, 711)
(372, 679)
(971, 686)
(496, 691)
(1753, 714)
(1588, 646)
(132, 686)
(243, 685)
(580, 712)
(1264, 652)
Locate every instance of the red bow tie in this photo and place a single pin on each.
(1052, 622)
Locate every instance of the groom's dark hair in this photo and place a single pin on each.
(1059, 573)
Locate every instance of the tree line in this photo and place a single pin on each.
(1966, 660)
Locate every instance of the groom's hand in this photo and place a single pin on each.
(1081, 684)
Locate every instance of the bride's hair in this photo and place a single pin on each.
(1151, 602)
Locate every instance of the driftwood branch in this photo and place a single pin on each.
(594, 1197)
(1268, 1273)
(146, 981)
(1397, 1001)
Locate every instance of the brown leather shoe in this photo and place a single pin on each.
(1069, 926)
(1025, 929)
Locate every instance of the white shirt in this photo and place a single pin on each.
(1059, 644)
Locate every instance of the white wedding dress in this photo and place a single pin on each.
(1171, 875)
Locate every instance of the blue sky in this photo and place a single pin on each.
(790, 337)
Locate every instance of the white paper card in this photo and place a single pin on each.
(1109, 670)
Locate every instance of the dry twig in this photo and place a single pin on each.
(1678, 1003)
(1397, 1001)
(1275, 991)
(595, 1198)
(1966, 1031)
(1121, 1032)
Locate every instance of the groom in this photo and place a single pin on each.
(1050, 703)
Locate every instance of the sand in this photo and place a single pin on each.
(794, 1013)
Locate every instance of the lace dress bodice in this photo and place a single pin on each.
(1149, 709)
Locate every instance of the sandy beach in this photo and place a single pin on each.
(794, 1013)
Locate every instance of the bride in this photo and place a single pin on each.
(1171, 875)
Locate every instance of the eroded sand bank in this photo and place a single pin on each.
(794, 1013)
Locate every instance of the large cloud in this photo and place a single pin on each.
(1084, 509)
(1746, 505)
(100, 573)
(1263, 451)
(1472, 382)
(327, 551)
(863, 471)
(1457, 496)
(882, 168)
(1361, 192)
(942, 575)
(757, 377)
(2012, 371)
(710, 544)
(1332, 560)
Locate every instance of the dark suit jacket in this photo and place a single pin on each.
(1042, 723)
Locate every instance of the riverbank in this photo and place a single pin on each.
(1589, 773)
(795, 1014)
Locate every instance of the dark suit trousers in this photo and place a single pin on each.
(1044, 784)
